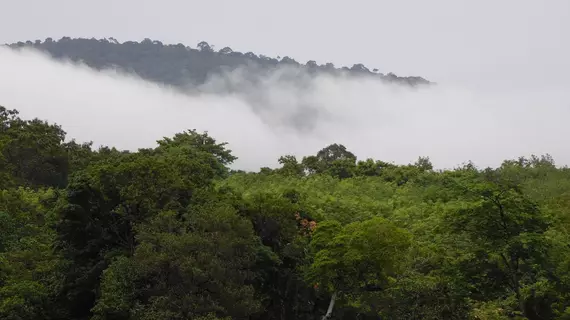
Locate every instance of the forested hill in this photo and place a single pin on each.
(178, 64)
(171, 233)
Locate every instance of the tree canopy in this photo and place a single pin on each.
(171, 232)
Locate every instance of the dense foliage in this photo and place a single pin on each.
(180, 65)
(173, 233)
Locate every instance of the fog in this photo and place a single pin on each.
(451, 124)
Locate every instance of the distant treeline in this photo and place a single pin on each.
(180, 65)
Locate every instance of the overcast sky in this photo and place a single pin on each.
(504, 67)
(477, 42)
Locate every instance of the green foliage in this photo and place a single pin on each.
(31, 152)
(183, 269)
(501, 222)
(29, 268)
(172, 233)
(357, 259)
(106, 201)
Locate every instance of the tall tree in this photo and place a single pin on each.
(358, 258)
(508, 229)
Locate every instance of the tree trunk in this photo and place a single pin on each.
(331, 306)
(519, 298)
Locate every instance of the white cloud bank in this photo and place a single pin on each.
(449, 124)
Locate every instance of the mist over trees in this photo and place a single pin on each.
(171, 232)
(181, 66)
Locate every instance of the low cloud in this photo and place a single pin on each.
(288, 111)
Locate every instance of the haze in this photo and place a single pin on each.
(480, 43)
(501, 66)
(450, 124)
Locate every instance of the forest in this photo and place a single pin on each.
(181, 66)
(172, 232)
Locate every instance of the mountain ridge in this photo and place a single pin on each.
(180, 65)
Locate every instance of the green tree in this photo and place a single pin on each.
(31, 152)
(105, 202)
(358, 258)
(334, 160)
(29, 268)
(184, 269)
(290, 166)
(507, 229)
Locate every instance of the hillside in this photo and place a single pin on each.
(172, 233)
(180, 65)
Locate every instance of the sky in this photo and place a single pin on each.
(451, 124)
(501, 67)
(481, 43)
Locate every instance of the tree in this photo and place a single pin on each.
(509, 229)
(371, 168)
(202, 142)
(29, 268)
(290, 166)
(357, 258)
(184, 269)
(105, 202)
(226, 50)
(311, 64)
(205, 47)
(335, 152)
(424, 164)
(335, 160)
(359, 67)
(32, 152)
